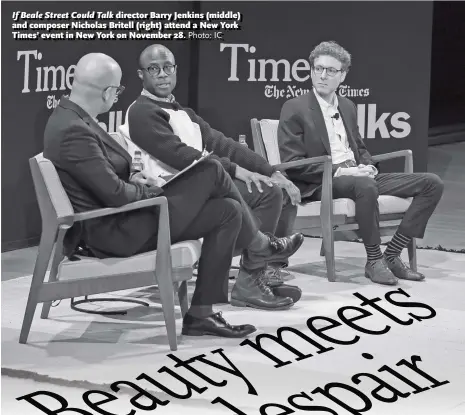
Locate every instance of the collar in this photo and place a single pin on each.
(324, 105)
(148, 94)
(65, 102)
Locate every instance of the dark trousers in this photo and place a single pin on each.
(425, 188)
(272, 208)
(206, 204)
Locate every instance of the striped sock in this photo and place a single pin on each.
(394, 248)
(373, 252)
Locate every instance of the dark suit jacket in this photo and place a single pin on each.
(302, 134)
(94, 170)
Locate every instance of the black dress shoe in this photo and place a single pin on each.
(286, 290)
(214, 325)
(278, 250)
(282, 248)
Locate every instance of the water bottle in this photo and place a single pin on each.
(137, 163)
(242, 140)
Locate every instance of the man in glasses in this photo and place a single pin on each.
(322, 123)
(175, 136)
(204, 203)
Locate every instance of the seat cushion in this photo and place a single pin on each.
(387, 205)
(183, 254)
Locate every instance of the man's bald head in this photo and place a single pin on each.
(157, 70)
(155, 52)
(97, 69)
(96, 85)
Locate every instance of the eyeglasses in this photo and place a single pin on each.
(331, 72)
(154, 70)
(119, 88)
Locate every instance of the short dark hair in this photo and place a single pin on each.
(331, 48)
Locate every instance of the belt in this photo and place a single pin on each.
(347, 163)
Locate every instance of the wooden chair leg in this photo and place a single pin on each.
(322, 249)
(412, 254)
(57, 258)
(166, 289)
(182, 295)
(38, 276)
(328, 241)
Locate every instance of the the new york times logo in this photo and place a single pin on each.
(370, 123)
(55, 78)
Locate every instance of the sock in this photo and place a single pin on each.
(201, 311)
(373, 252)
(395, 246)
(259, 243)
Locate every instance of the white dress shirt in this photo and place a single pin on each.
(340, 149)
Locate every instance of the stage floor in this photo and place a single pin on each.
(74, 352)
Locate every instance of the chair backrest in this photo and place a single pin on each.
(124, 128)
(265, 139)
(54, 205)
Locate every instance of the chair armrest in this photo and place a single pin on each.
(303, 162)
(408, 166)
(97, 213)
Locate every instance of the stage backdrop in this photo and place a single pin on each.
(253, 71)
(35, 74)
(250, 73)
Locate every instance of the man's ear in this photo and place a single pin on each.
(106, 94)
(140, 74)
(343, 76)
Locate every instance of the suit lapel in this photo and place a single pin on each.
(319, 121)
(107, 139)
(348, 127)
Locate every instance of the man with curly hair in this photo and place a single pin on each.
(323, 123)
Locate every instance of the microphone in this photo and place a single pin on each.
(336, 116)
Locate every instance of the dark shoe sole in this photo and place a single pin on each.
(411, 279)
(198, 333)
(242, 303)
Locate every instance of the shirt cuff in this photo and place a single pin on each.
(338, 172)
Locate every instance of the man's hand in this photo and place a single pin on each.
(248, 178)
(373, 169)
(144, 177)
(292, 190)
(364, 171)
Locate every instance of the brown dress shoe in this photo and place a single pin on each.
(379, 272)
(250, 290)
(214, 325)
(402, 271)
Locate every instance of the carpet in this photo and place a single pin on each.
(328, 363)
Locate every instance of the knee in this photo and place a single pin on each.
(273, 194)
(233, 212)
(214, 164)
(366, 187)
(434, 183)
